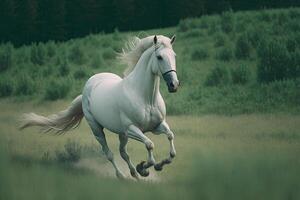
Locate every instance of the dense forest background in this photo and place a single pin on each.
(26, 21)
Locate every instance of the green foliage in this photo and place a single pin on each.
(241, 75)
(38, 54)
(108, 54)
(106, 42)
(199, 54)
(97, 61)
(77, 55)
(218, 76)
(225, 53)
(242, 47)
(24, 85)
(256, 34)
(64, 69)
(183, 25)
(6, 57)
(264, 15)
(51, 49)
(71, 153)
(274, 60)
(193, 33)
(220, 39)
(228, 21)
(57, 89)
(116, 34)
(6, 87)
(247, 37)
(80, 73)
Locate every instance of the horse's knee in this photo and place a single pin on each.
(149, 145)
(170, 136)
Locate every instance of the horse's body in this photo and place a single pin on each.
(129, 107)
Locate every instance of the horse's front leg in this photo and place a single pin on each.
(164, 128)
(135, 133)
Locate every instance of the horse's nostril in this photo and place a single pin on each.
(172, 85)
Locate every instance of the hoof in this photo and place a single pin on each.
(120, 176)
(140, 169)
(158, 167)
(134, 174)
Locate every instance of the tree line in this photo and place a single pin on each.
(26, 21)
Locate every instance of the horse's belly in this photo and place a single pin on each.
(103, 104)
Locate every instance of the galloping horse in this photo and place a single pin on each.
(129, 107)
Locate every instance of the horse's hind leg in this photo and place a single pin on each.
(100, 136)
(123, 152)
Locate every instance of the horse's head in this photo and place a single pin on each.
(166, 63)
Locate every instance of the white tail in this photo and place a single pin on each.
(60, 122)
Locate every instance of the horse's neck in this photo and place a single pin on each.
(143, 81)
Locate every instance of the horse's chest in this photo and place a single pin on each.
(152, 118)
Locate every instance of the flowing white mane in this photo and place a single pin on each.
(134, 49)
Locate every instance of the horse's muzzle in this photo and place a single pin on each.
(171, 79)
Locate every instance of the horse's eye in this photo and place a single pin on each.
(159, 57)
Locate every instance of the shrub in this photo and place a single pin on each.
(218, 76)
(97, 61)
(108, 54)
(256, 35)
(51, 49)
(24, 85)
(220, 39)
(193, 33)
(200, 54)
(224, 53)
(293, 42)
(72, 152)
(227, 21)
(183, 25)
(6, 87)
(106, 42)
(80, 73)
(116, 34)
(294, 13)
(291, 25)
(204, 23)
(294, 67)
(38, 54)
(64, 69)
(77, 55)
(242, 47)
(264, 15)
(6, 57)
(241, 75)
(48, 71)
(214, 26)
(57, 89)
(274, 61)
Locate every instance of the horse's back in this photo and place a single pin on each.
(102, 91)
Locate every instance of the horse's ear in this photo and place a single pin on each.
(173, 38)
(155, 40)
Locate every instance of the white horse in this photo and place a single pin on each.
(129, 107)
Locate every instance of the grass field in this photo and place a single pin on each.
(219, 157)
(235, 117)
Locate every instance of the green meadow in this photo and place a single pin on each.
(235, 116)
